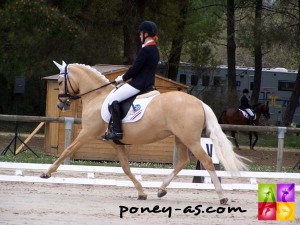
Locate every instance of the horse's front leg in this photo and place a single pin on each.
(78, 142)
(125, 166)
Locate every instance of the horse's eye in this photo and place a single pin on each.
(59, 83)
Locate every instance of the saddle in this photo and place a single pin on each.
(131, 109)
(245, 114)
(126, 104)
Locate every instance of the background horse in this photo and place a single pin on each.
(235, 116)
(172, 113)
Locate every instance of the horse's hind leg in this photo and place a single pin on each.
(206, 161)
(250, 139)
(256, 139)
(183, 159)
(235, 140)
(125, 166)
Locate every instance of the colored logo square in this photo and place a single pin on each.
(267, 211)
(285, 193)
(285, 211)
(266, 193)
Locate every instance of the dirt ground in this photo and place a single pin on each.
(41, 203)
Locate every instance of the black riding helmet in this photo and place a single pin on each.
(245, 91)
(148, 27)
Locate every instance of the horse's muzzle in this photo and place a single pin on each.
(64, 106)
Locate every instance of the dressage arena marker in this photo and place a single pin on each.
(139, 172)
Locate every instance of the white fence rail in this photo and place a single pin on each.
(17, 175)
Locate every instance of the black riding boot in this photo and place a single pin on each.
(115, 131)
(251, 120)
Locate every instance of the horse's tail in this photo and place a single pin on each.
(224, 149)
(221, 118)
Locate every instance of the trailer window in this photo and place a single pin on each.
(286, 85)
(194, 80)
(182, 78)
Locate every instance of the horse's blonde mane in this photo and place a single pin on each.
(98, 73)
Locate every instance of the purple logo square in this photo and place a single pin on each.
(285, 192)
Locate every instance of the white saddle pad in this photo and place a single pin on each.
(134, 114)
(246, 114)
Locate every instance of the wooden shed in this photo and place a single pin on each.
(161, 151)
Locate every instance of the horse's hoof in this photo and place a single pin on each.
(142, 197)
(161, 192)
(223, 201)
(43, 175)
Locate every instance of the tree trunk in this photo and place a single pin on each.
(257, 52)
(291, 107)
(231, 47)
(177, 42)
(293, 101)
(133, 13)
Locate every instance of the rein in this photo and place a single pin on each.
(72, 97)
(79, 96)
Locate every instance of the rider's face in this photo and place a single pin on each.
(141, 36)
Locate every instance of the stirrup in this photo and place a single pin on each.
(112, 135)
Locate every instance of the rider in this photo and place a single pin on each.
(245, 105)
(141, 73)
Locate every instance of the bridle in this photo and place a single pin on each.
(67, 94)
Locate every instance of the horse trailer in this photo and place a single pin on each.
(277, 85)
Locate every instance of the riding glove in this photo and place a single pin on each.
(119, 79)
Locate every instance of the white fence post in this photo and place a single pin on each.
(281, 132)
(69, 121)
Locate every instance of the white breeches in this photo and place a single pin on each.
(122, 93)
(249, 111)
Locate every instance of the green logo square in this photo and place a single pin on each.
(266, 192)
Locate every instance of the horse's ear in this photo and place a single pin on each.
(60, 67)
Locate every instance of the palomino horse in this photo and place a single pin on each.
(235, 116)
(173, 113)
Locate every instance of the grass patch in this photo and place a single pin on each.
(270, 140)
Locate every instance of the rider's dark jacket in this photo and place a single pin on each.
(244, 103)
(143, 69)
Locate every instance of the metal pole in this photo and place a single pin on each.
(69, 121)
(175, 155)
(281, 133)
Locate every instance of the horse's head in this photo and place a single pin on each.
(265, 110)
(262, 108)
(67, 88)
